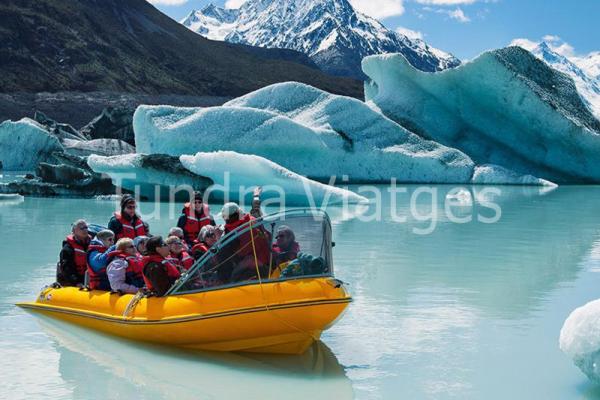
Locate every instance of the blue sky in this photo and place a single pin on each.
(468, 27)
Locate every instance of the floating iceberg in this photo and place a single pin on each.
(489, 174)
(580, 339)
(24, 143)
(234, 176)
(506, 107)
(247, 171)
(306, 130)
(102, 147)
(152, 176)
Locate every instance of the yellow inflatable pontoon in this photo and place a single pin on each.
(284, 312)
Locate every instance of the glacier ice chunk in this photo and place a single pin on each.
(237, 173)
(506, 107)
(306, 130)
(152, 176)
(580, 339)
(102, 147)
(247, 171)
(24, 144)
(489, 174)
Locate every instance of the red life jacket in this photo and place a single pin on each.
(133, 273)
(200, 247)
(261, 240)
(286, 255)
(130, 231)
(98, 280)
(193, 222)
(184, 260)
(79, 254)
(172, 271)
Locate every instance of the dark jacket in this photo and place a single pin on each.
(66, 270)
(157, 274)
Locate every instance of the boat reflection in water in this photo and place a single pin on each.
(98, 365)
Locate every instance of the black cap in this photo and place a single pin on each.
(127, 198)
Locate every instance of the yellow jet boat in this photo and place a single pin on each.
(284, 311)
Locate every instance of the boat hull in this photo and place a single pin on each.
(275, 317)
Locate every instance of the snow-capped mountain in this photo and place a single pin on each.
(587, 84)
(590, 64)
(331, 32)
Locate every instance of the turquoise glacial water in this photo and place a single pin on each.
(470, 311)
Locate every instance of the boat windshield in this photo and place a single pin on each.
(282, 246)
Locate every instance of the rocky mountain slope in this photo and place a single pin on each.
(587, 84)
(129, 46)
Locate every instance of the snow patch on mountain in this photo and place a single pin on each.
(585, 71)
(332, 33)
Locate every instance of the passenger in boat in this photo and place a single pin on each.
(256, 211)
(127, 223)
(208, 236)
(285, 248)
(159, 272)
(177, 253)
(140, 245)
(251, 253)
(72, 264)
(194, 216)
(178, 233)
(98, 258)
(125, 270)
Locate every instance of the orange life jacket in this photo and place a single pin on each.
(194, 222)
(260, 236)
(184, 260)
(80, 254)
(130, 231)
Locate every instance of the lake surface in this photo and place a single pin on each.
(470, 311)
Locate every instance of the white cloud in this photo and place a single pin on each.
(524, 43)
(459, 15)
(551, 38)
(409, 33)
(234, 3)
(168, 2)
(379, 8)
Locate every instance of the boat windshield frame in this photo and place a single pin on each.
(253, 224)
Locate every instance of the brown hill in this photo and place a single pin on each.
(130, 46)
